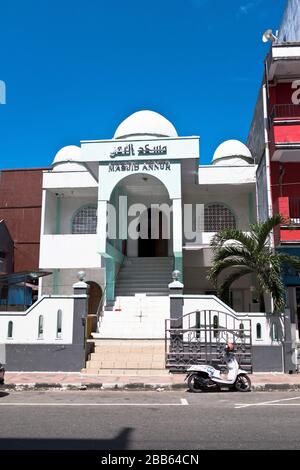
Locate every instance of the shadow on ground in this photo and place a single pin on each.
(120, 442)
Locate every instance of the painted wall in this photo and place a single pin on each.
(231, 175)
(60, 210)
(256, 138)
(61, 281)
(69, 206)
(69, 251)
(234, 197)
(281, 93)
(60, 178)
(50, 204)
(262, 194)
(287, 134)
(25, 324)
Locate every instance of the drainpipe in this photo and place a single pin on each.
(267, 154)
(268, 166)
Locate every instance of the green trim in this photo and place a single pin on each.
(112, 252)
(58, 215)
(110, 269)
(178, 263)
(112, 258)
(55, 281)
(251, 209)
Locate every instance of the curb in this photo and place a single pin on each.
(138, 386)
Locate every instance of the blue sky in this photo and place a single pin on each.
(74, 69)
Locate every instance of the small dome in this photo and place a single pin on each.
(232, 152)
(69, 153)
(145, 123)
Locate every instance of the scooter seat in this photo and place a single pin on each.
(221, 368)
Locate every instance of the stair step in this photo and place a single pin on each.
(127, 357)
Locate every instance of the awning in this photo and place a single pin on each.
(22, 277)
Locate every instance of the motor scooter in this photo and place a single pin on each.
(206, 377)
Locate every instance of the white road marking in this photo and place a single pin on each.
(183, 402)
(268, 403)
(282, 404)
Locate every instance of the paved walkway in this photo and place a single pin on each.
(63, 380)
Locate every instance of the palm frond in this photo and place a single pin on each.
(232, 234)
(230, 262)
(262, 231)
(223, 290)
(293, 261)
(232, 250)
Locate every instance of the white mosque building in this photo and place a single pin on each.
(99, 197)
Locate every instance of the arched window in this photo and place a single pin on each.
(218, 217)
(85, 220)
(41, 327)
(258, 331)
(59, 324)
(275, 332)
(10, 330)
(242, 328)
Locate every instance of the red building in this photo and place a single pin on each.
(20, 208)
(274, 140)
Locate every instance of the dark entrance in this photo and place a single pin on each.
(153, 247)
(95, 295)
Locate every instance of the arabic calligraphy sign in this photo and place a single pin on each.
(146, 150)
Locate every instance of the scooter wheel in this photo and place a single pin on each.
(243, 383)
(194, 383)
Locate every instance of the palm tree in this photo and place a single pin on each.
(250, 253)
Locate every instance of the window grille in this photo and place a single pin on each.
(85, 220)
(218, 217)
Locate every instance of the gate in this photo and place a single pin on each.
(200, 337)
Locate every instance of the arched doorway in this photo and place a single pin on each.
(157, 245)
(95, 296)
(148, 205)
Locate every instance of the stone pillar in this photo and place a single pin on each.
(289, 354)
(177, 234)
(80, 312)
(176, 300)
(290, 316)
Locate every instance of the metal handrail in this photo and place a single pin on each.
(287, 111)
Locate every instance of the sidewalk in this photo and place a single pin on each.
(78, 381)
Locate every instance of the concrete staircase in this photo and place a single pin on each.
(131, 336)
(127, 358)
(145, 275)
(138, 317)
